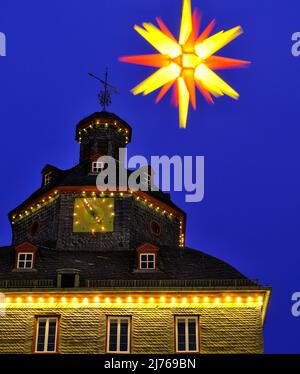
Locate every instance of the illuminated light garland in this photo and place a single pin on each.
(98, 124)
(74, 301)
(35, 207)
(151, 205)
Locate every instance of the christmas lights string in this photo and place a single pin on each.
(98, 124)
(224, 300)
(141, 197)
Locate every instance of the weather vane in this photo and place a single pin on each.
(104, 96)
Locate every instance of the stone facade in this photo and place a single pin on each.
(83, 330)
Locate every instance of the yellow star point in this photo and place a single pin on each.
(187, 63)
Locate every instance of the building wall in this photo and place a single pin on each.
(131, 227)
(90, 138)
(83, 330)
(47, 218)
(140, 231)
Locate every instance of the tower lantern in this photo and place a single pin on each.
(102, 134)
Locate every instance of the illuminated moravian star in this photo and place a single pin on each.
(186, 63)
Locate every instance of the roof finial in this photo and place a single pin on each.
(104, 96)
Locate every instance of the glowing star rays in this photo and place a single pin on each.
(187, 63)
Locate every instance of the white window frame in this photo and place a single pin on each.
(187, 318)
(119, 318)
(47, 178)
(97, 166)
(147, 261)
(47, 319)
(25, 260)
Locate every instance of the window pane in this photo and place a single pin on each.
(21, 264)
(22, 257)
(29, 256)
(144, 257)
(192, 335)
(143, 265)
(51, 336)
(113, 335)
(151, 265)
(41, 336)
(124, 336)
(181, 335)
(28, 264)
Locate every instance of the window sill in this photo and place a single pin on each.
(15, 270)
(146, 271)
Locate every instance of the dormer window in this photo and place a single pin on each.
(47, 178)
(25, 260)
(97, 167)
(147, 261)
(68, 278)
(25, 256)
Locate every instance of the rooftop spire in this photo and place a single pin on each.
(104, 95)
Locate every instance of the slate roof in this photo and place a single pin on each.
(174, 264)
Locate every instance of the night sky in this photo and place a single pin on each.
(250, 214)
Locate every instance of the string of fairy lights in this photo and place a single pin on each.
(97, 124)
(35, 207)
(141, 197)
(99, 300)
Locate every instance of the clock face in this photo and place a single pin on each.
(94, 215)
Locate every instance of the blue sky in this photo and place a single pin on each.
(250, 214)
